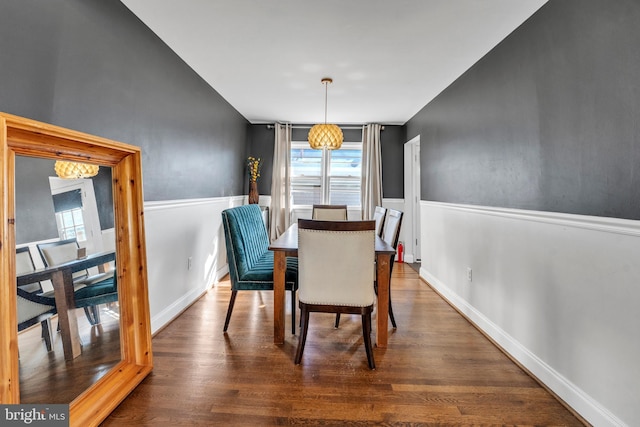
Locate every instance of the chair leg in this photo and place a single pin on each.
(366, 332)
(293, 311)
(393, 319)
(337, 324)
(47, 332)
(304, 316)
(93, 314)
(230, 309)
(391, 316)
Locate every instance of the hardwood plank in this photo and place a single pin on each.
(437, 369)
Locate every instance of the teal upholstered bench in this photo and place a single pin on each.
(249, 257)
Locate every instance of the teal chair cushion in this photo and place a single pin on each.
(98, 293)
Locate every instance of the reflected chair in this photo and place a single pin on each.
(329, 212)
(249, 257)
(336, 260)
(378, 217)
(32, 307)
(89, 290)
(61, 251)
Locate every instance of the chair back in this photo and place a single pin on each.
(378, 217)
(245, 237)
(59, 252)
(24, 264)
(391, 229)
(31, 307)
(335, 262)
(329, 212)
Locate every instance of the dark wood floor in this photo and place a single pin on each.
(438, 369)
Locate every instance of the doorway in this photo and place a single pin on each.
(412, 199)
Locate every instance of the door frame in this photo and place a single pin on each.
(411, 220)
(89, 209)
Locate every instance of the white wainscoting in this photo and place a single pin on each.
(558, 292)
(176, 231)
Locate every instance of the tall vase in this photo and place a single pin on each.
(254, 196)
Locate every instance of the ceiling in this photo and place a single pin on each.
(388, 59)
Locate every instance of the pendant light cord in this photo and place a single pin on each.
(326, 88)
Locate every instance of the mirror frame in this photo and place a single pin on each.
(20, 136)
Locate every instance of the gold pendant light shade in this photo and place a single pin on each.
(325, 135)
(75, 170)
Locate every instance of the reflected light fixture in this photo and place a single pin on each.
(75, 170)
(325, 135)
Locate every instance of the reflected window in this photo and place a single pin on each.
(71, 224)
(69, 215)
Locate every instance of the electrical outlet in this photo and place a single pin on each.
(189, 263)
(469, 274)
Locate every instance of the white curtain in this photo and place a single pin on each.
(280, 210)
(371, 193)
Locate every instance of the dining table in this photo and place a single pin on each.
(287, 246)
(61, 277)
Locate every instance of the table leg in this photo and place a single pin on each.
(383, 268)
(65, 303)
(279, 270)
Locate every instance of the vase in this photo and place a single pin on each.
(254, 196)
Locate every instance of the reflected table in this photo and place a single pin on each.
(61, 277)
(287, 245)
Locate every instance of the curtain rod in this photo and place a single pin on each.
(271, 126)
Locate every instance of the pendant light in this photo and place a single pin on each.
(75, 170)
(325, 135)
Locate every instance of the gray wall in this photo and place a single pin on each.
(92, 66)
(392, 139)
(34, 204)
(35, 217)
(547, 121)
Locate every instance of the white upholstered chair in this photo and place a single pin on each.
(391, 235)
(378, 217)
(32, 306)
(335, 273)
(329, 212)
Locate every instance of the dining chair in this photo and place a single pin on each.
(329, 212)
(378, 216)
(335, 268)
(89, 290)
(391, 235)
(249, 257)
(32, 307)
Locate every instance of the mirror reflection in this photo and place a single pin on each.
(68, 311)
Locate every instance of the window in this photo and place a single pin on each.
(326, 176)
(71, 224)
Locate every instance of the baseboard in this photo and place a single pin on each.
(166, 316)
(579, 402)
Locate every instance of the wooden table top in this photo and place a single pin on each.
(288, 242)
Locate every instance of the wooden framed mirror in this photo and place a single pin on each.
(25, 137)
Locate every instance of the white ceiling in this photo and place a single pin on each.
(388, 59)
